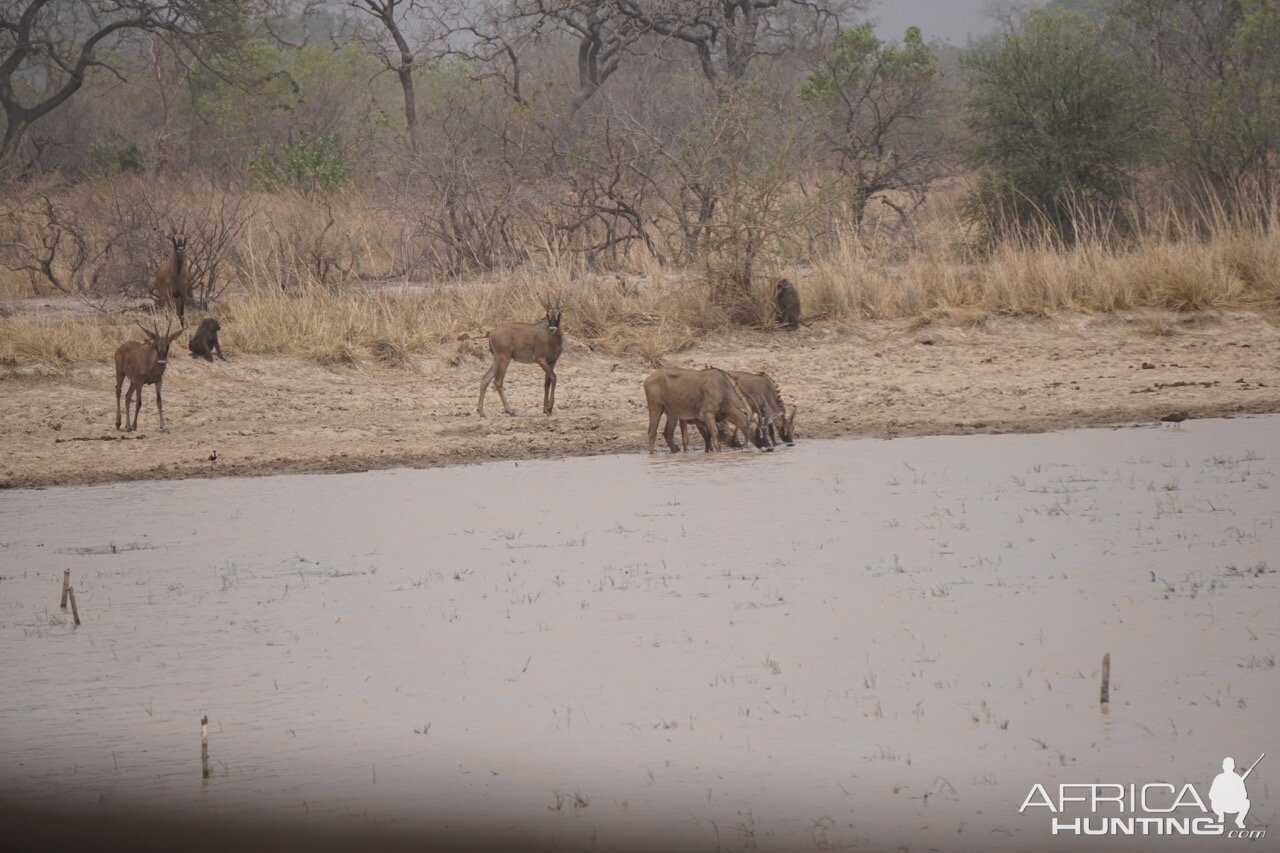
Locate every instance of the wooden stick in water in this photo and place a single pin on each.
(66, 585)
(75, 612)
(204, 747)
(1106, 679)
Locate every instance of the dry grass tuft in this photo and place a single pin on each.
(468, 349)
(59, 341)
(1157, 327)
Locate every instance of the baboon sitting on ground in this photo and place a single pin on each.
(205, 341)
(786, 304)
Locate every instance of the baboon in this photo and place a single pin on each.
(205, 341)
(144, 364)
(173, 279)
(539, 342)
(786, 305)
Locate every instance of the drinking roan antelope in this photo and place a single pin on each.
(143, 364)
(173, 278)
(705, 396)
(537, 343)
(766, 403)
(762, 395)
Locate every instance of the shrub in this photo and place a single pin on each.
(1060, 128)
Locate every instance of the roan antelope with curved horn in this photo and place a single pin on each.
(173, 278)
(143, 364)
(707, 397)
(762, 394)
(537, 343)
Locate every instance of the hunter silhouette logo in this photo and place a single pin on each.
(1151, 808)
(1227, 794)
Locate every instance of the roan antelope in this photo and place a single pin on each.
(762, 395)
(706, 396)
(143, 364)
(173, 279)
(537, 343)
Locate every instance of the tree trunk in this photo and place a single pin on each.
(14, 130)
(410, 106)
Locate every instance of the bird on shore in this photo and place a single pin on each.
(1176, 418)
(213, 457)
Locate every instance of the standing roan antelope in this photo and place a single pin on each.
(173, 279)
(144, 364)
(537, 343)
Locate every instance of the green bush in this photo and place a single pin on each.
(312, 164)
(1060, 127)
(116, 155)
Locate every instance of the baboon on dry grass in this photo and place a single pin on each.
(143, 364)
(204, 343)
(537, 343)
(786, 305)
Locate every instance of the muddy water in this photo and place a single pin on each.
(857, 641)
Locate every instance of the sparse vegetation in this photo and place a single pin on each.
(331, 221)
(286, 300)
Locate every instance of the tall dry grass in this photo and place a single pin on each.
(1179, 263)
(326, 283)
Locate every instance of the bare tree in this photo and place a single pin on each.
(726, 36)
(167, 70)
(394, 17)
(59, 42)
(603, 35)
(872, 101)
(1219, 63)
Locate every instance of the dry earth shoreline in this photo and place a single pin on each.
(267, 415)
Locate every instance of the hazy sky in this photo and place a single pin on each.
(949, 20)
